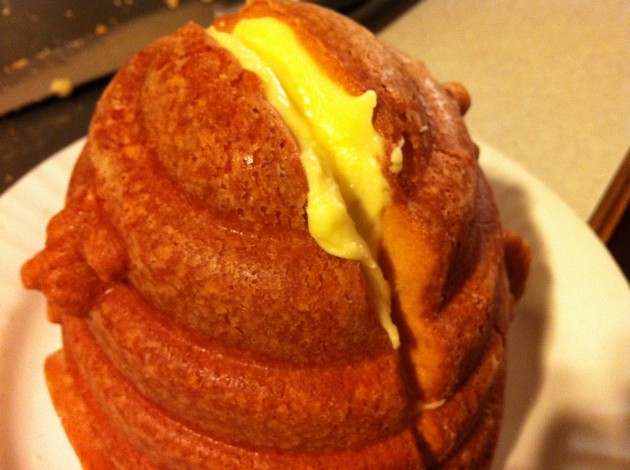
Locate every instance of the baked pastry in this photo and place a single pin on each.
(278, 251)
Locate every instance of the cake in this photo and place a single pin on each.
(278, 250)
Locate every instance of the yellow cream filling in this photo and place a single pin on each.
(340, 149)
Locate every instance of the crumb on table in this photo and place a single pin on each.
(100, 30)
(62, 87)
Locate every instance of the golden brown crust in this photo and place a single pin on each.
(242, 397)
(97, 442)
(205, 326)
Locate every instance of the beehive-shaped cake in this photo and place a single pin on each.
(278, 251)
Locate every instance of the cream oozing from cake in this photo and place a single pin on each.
(340, 148)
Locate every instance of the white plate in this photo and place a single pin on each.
(568, 392)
